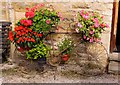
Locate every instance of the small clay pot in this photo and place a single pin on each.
(54, 61)
(65, 57)
(20, 49)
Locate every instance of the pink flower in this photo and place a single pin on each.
(107, 25)
(40, 5)
(47, 21)
(93, 14)
(84, 37)
(95, 20)
(91, 40)
(61, 18)
(102, 25)
(102, 17)
(85, 16)
(96, 25)
(59, 14)
(81, 12)
(91, 32)
(29, 14)
(96, 39)
(79, 25)
(88, 38)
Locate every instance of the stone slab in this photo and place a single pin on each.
(114, 67)
(114, 57)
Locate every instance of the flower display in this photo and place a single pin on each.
(66, 45)
(30, 31)
(24, 37)
(90, 26)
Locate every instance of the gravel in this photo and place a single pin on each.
(19, 74)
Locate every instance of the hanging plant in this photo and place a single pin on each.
(90, 26)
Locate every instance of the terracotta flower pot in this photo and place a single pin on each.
(20, 49)
(65, 57)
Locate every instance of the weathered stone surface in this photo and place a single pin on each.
(98, 6)
(80, 5)
(114, 67)
(88, 59)
(114, 57)
(67, 10)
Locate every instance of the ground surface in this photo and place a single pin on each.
(19, 74)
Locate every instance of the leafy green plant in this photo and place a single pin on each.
(44, 19)
(39, 51)
(31, 30)
(66, 45)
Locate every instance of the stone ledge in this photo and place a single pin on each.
(114, 57)
(114, 67)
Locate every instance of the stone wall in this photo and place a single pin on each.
(68, 8)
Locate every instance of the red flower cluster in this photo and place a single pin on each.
(26, 22)
(30, 11)
(10, 36)
(29, 14)
(23, 34)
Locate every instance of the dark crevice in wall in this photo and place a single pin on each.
(118, 31)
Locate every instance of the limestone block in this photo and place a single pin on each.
(80, 5)
(114, 57)
(114, 67)
(100, 6)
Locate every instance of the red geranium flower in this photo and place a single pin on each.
(17, 28)
(32, 40)
(26, 22)
(102, 25)
(10, 36)
(39, 35)
(29, 14)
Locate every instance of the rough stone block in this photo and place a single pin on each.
(80, 5)
(114, 57)
(114, 67)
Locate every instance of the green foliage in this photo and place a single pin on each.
(66, 43)
(39, 51)
(39, 20)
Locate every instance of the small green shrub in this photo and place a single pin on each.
(39, 51)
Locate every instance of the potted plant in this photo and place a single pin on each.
(37, 22)
(24, 38)
(30, 31)
(39, 51)
(65, 47)
(90, 26)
